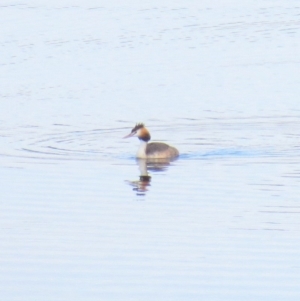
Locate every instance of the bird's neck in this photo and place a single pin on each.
(142, 149)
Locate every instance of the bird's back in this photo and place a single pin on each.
(160, 150)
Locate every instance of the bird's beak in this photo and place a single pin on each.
(129, 135)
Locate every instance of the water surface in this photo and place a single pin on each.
(218, 81)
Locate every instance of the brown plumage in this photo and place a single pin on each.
(155, 149)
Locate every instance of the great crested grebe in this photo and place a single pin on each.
(154, 150)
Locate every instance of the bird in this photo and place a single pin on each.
(153, 150)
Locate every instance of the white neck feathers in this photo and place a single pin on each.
(141, 153)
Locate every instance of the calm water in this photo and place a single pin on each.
(221, 82)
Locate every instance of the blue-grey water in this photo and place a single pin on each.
(219, 80)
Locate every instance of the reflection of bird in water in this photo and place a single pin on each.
(153, 165)
(154, 150)
(157, 165)
(141, 185)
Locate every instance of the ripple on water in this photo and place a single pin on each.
(51, 144)
(223, 153)
(234, 138)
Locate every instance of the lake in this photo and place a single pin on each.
(218, 80)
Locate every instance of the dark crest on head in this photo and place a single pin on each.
(137, 127)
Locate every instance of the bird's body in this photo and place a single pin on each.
(153, 150)
(156, 150)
